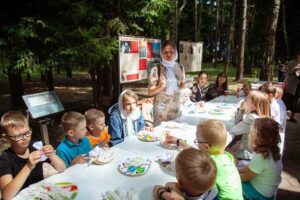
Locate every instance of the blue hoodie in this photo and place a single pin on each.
(116, 125)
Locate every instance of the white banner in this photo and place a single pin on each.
(190, 55)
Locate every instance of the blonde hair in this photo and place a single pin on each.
(70, 120)
(130, 94)
(92, 115)
(196, 169)
(261, 103)
(13, 120)
(212, 132)
(279, 92)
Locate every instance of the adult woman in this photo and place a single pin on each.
(292, 86)
(200, 88)
(164, 82)
(218, 88)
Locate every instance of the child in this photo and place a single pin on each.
(200, 88)
(195, 173)
(274, 106)
(282, 108)
(212, 136)
(256, 105)
(247, 87)
(263, 174)
(97, 133)
(20, 165)
(125, 117)
(75, 146)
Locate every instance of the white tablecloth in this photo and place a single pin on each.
(94, 180)
(228, 117)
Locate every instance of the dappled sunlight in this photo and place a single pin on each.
(289, 182)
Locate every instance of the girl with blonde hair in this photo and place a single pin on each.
(256, 105)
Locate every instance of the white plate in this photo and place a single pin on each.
(147, 136)
(216, 111)
(136, 166)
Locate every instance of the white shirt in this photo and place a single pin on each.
(282, 112)
(275, 110)
(268, 174)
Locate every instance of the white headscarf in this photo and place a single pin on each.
(171, 79)
(128, 118)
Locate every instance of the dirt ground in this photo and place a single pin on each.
(76, 94)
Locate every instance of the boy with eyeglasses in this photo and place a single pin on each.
(21, 165)
(211, 136)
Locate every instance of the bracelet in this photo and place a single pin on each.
(178, 142)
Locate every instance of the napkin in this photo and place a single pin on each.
(39, 145)
(120, 194)
(100, 153)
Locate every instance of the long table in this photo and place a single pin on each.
(228, 117)
(94, 180)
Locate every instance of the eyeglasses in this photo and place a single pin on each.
(168, 52)
(197, 142)
(21, 136)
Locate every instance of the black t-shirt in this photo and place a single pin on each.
(12, 164)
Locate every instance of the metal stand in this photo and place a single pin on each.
(44, 130)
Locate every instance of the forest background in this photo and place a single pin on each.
(48, 38)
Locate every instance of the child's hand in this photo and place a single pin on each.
(148, 128)
(201, 104)
(80, 159)
(171, 139)
(48, 151)
(34, 158)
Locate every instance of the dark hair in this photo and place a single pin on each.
(202, 72)
(266, 137)
(168, 43)
(225, 85)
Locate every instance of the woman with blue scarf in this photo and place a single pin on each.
(164, 84)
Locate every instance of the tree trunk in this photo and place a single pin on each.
(230, 35)
(200, 17)
(176, 19)
(217, 34)
(243, 27)
(43, 76)
(50, 81)
(196, 20)
(288, 53)
(16, 88)
(69, 71)
(99, 82)
(28, 77)
(266, 72)
(94, 86)
(107, 82)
